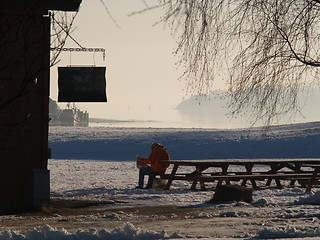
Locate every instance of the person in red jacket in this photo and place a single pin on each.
(153, 165)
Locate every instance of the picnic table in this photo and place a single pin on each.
(304, 170)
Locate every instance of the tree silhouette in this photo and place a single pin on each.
(61, 29)
(267, 50)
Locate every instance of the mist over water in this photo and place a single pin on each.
(165, 117)
(189, 113)
(169, 117)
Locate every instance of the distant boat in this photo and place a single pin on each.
(70, 116)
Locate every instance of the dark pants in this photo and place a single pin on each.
(146, 171)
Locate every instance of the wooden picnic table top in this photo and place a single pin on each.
(219, 162)
(276, 164)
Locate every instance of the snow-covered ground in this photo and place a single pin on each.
(98, 163)
(123, 144)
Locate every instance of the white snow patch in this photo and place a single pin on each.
(289, 232)
(127, 232)
(312, 198)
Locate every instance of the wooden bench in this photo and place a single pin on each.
(307, 177)
(279, 169)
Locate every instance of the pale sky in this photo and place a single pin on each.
(141, 70)
(142, 78)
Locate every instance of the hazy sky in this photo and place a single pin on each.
(142, 78)
(141, 70)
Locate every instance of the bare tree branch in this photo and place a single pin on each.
(267, 50)
(62, 24)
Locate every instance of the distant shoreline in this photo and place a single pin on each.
(297, 125)
(103, 120)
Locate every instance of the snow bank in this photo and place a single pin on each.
(127, 232)
(312, 198)
(289, 232)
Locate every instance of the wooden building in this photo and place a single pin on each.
(24, 99)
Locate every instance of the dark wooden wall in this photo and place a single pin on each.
(24, 96)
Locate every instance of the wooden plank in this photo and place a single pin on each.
(39, 7)
(262, 177)
(218, 162)
(253, 176)
(314, 177)
(64, 5)
(171, 177)
(239, 177)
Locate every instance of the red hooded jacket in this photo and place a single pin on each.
(157, 154)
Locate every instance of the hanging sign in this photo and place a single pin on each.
(82, 84)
